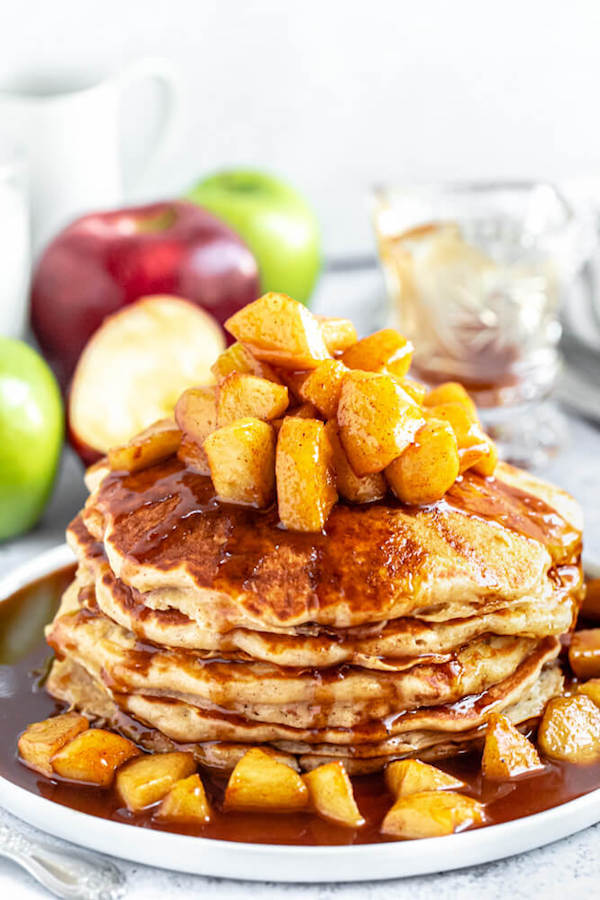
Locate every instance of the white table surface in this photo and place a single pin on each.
(569, 866)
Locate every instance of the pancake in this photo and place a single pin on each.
(386, 646)
(159, 726)
(488, 544)
(341, 696)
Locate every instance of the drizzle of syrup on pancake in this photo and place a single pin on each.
(167, 514)
(25, 701)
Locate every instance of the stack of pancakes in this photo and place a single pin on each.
(394, 633)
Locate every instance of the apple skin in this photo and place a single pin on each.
(104, 261)
(275, 221)
(31, 425)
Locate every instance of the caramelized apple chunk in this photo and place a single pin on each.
(331, 795)
(186, 802)
(93, 757)
(507, 753)
(304, 474)
(570, 729)
(358, 490)
(145, 781)
(196, 412)
(590, 608)
(280, 331)
(428, 467)
(384, 351)
(452, 392)
(474, 447)
(241, 457)
(193, 455)
(432, 814)
(584, 653)
(196, 416)
(147, 448)
(42, 740)
(591, 689)
(338, 334)
(238, 358)
(415, 389)
(377, 420)
(411, 776)
(260, 783)
(322, 387)
(241, 395)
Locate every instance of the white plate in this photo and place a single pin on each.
(260, 862)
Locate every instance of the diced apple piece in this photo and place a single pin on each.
(151, 446)
(241, 457)
(304, 411)
(196, 413)
(384, 351)
(331, 795)
(377, 420)
(260, 783)
(591, 689)
(338, 334)
(428, 467)
(473, 445)
(238, 358)
(193, 455)
(241, 395)
(93, 757)
(486, 464)
(584, 653)
(304, 474)
(432, 814)
(590, 608)
(40, 741)
(322, 387)
(507, 753)
(281, 331)
(415, 389)
(358, 490)
(570, 729)
(294, 381)
(452, 392)
(186, 802)
(411, 776)
(147, 780)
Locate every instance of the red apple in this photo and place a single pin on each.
(104, 261)
(134, 368)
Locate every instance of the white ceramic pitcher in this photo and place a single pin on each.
(70, 130)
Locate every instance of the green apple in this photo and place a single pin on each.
(274, 220)
(31, 429)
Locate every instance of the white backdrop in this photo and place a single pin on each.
(338, 95)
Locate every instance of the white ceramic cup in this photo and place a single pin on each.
(15, 250)
(70, 129)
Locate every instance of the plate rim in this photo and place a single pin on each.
(287, 862)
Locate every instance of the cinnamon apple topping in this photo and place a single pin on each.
(304, 413)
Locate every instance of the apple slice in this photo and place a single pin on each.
(134, 368)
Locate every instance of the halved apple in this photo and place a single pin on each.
(134, 368)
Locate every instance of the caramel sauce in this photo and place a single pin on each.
(23, 661)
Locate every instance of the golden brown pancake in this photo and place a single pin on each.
(386, 646)
(488, 543)
(337, 696)
(160, 725)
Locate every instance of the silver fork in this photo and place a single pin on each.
(80, 875)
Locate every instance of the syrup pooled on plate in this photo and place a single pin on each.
(23, 662)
